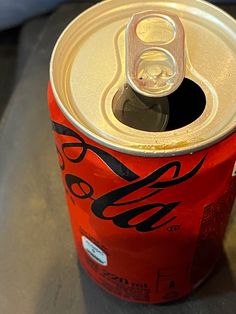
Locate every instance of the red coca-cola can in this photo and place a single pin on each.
(143, 112)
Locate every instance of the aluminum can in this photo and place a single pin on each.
(149, 203)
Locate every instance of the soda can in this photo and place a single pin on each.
(143, 111)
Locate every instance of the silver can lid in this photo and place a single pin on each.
(88, 77)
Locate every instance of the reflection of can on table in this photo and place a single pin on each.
(144, 119)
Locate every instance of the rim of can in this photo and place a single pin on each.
(156, 151)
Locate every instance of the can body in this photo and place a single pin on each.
(146, 229)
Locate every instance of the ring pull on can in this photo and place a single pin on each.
(155, 65)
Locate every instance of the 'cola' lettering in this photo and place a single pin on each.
(160, 214)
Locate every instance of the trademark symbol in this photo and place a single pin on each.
(173, 228)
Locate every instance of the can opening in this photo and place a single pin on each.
(157, 114)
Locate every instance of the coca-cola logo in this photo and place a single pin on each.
(81, 189)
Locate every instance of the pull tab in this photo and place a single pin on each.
(155, 62)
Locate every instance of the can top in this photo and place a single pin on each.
(88, 78)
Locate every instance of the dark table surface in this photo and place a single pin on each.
(38, 264)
